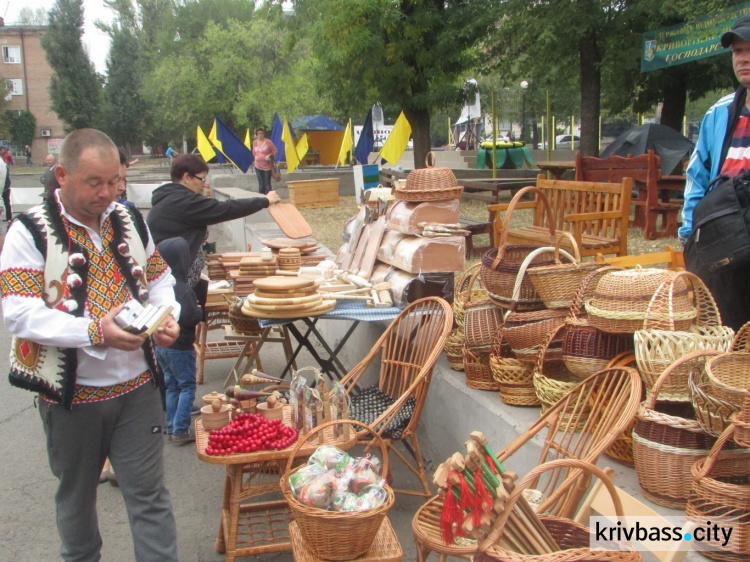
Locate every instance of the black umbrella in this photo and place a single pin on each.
(668, 144)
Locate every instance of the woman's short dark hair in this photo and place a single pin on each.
(187, 163)
(259, 129)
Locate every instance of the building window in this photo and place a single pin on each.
(12, 55)
(14, 86)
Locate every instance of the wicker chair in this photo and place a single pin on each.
(407, 352)
(607, 400)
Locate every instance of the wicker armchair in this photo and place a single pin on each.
(582, 425)
(407, 352)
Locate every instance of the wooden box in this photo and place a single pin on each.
(314, 193)
(216, 296)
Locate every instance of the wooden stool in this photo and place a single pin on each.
(385, 547)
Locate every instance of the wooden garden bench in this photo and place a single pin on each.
(596, 214)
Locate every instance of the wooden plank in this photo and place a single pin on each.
(359, 252)
(373, 245)
(290, 220)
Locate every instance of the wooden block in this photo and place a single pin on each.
(314, 193)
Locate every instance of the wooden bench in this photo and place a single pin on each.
(673, 259)
(596, 214)
(652, 202)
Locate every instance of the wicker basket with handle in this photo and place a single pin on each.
(729, 376)
(242, 323)
(500, 265)
(573, 538)
(667, 435)
(552, 379)
(454, 349)
(713, 413)
(720, 492)
(481, 319)
(742, 339)
(514, 377)
(557, 284)
(336, 535)
(585, 349)
(429, 184)
(477, 369)
(476, 293)
(621, 300)
(741, 421)
(659, 344)
(525, 332)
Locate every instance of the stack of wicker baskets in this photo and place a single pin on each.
(454, 346)
(482, 319)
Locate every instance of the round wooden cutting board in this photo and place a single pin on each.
(279, 284)
(325, 306)
(283, 301)
(278, 243)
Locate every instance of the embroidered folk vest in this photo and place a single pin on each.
(51, 370)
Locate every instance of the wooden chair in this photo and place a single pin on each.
(599, 502)
(674, 259)
(652, 201)
(406, 353)
(582, 425)
(595, 213)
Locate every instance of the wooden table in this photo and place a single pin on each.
(557, 169)
(249, 528)
(250, 349)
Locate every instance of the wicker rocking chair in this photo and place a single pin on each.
(582, 425)
(406, 352)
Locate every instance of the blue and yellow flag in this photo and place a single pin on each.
(397, 141)
(292, 160)
(248, 141)
(231, 146)
(220, 158)
(204, 146)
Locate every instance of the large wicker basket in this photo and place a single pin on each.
(742, 339)
(514, 377)
(500, 265)
(659, 344)
(525, 332)
(621, 300)
(721, 494)
(667, 435)
(585, 349)
(571, 537)
(558, 284)
(335, 535)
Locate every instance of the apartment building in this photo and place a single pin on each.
(24, 68)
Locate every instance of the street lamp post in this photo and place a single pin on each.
(524, 87)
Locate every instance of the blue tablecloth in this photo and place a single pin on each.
(344, 310)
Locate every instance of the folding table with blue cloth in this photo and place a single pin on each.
(506, 157)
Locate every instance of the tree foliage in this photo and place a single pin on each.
(74, 85)
(21, 126)
(412, 54)
(30, 16)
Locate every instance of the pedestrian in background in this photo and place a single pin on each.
(27, 153)
(48, 179)
(5, 182)
(264, 152)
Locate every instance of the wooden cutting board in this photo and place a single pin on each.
(325, 306)
(290, 220)
(278, 243)
(371, 251)
(279, 284)
(359, 252)
(266, 301)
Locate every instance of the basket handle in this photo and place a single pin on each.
(430, 159)
(463, 280)
(503, 241)
(576, 308)
(543, 350)
(498, 526)
(522, 272)
(574, 245)
(302, 440)
(713, 456)
(622, 359)
(662, 304)
(741, 341)
(697, 355)
(470, 286)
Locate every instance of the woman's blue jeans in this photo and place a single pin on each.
(179, 375)
(264, 180)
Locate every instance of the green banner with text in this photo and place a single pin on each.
(690, 41)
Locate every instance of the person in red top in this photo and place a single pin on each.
(264, 152)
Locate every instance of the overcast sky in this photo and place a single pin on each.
(96, 42)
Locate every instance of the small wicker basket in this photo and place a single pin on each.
(729, 376)
(621, 301)
(241, 323)
(476, 293)
(482, 319)
(477, 369)
(335, 535)
(514, 377)
(454, 349)
(429, 184)
(713, 413)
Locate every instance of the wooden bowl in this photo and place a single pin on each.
(215, 420)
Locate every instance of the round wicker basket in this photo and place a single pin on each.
(713, 413)
(729, 376)
(242, 323)
(514, 377)
(454, 350)
(429, 184)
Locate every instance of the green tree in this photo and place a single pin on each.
(410, 54)
(124, 107)
(29, 16)
(74, 85)
(21, 127)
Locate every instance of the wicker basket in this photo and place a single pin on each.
(742, 339)
(335, 535)
(552, 379)
(454, 349)
(621, 448)
(429, 184)
(586, 350)
(713, 413)
(622, 298)
(525, 332)
(558, 284)
(571, 537)
(514, 377)
(482, 319)
(477, 369)
(477, 293)
(500, 265)
(721, 493)
(741, 421)
(667, 435)
(729, 376)
(241, 323)
(658, 345)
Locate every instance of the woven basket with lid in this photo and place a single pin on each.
(429, 184)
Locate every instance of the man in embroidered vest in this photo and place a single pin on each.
(67, 268)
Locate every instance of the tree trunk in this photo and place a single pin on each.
(675, 99)
(419, 120)
(591, 59)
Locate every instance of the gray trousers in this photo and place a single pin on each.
(128, 430)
